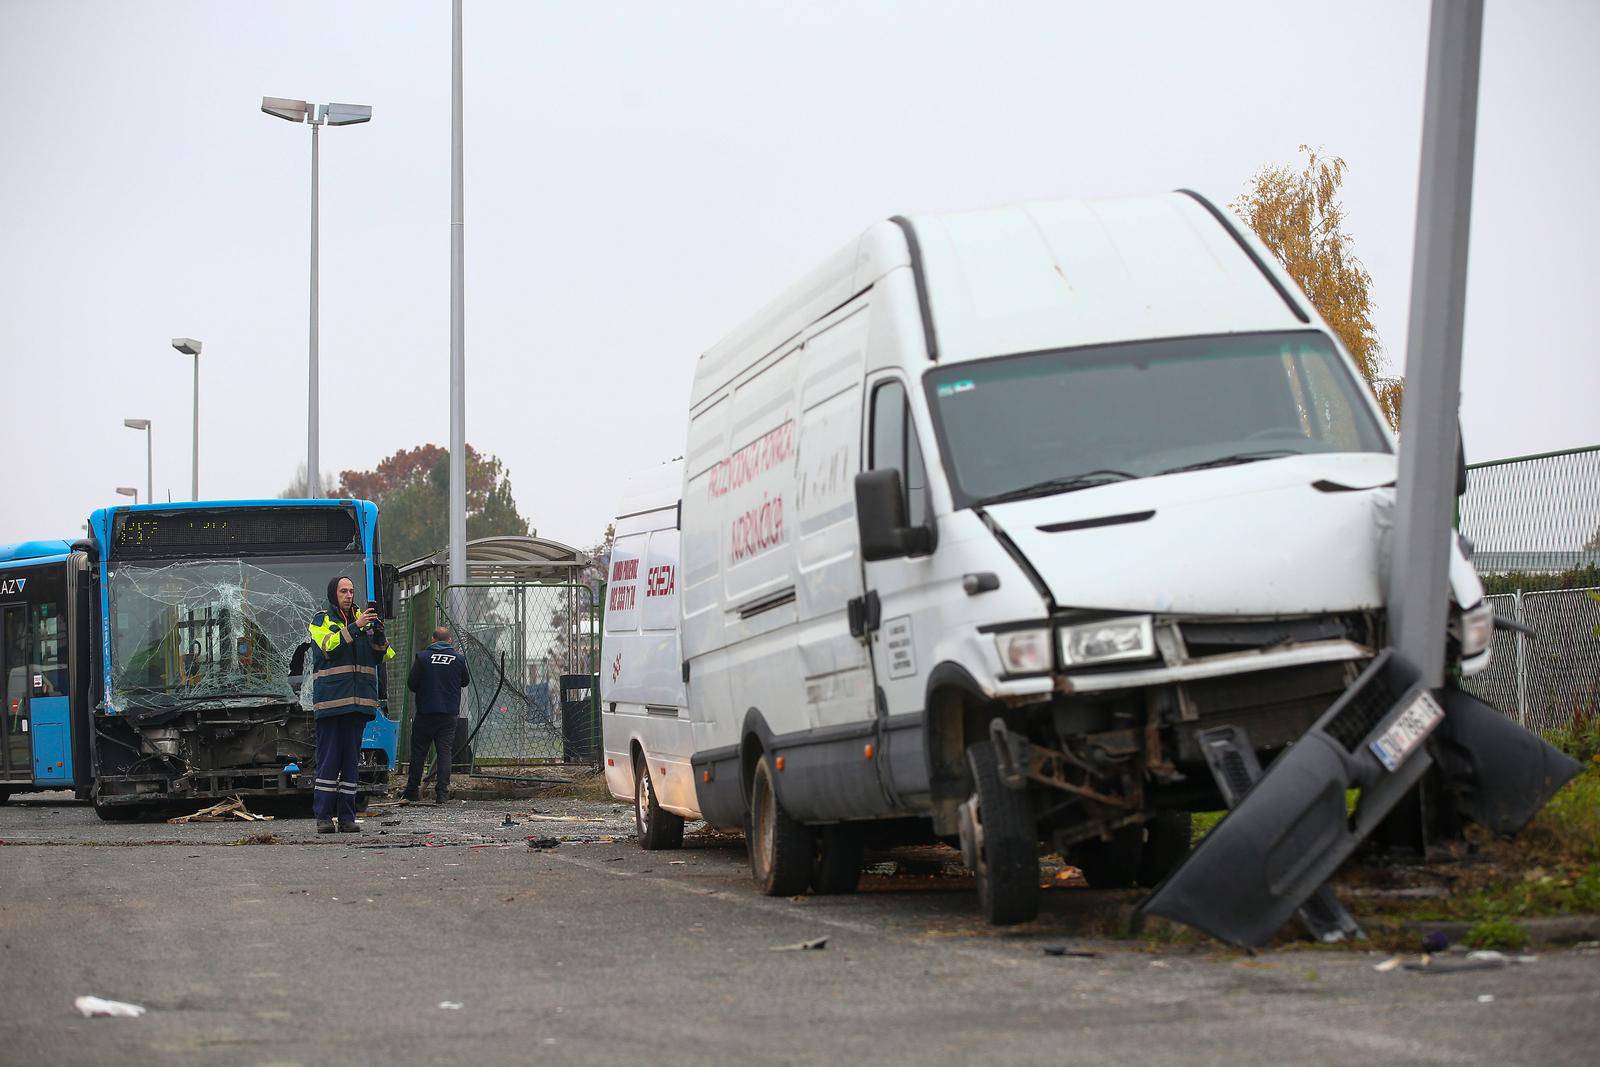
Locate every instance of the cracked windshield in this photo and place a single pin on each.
(1055, 421)
(215, 629)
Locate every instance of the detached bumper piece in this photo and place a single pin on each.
(1233, 764)
(1290, 832)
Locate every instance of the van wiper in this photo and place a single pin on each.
(1067, 484)
(1234, 460)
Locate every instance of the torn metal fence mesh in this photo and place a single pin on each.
(531, 651)
(1534, 522)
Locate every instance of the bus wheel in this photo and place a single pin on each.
(118, 812)
(654, 827)
(1000, 843)
(840, 852)
(782, 850)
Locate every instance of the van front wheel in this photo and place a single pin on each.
(781, 849)
(655, 827)
(998, 839)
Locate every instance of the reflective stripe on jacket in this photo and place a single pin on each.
(344, 673)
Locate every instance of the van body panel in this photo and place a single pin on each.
(642, 699)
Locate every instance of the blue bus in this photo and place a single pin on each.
(173, 663)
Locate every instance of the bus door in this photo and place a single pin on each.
(15, 740)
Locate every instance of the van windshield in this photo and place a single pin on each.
(1051, 422)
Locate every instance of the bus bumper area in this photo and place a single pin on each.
(116, 790)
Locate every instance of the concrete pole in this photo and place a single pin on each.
(458, 357)
(149, 466)
(313, 401)
(1429, 428)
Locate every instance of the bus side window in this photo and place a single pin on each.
(894, 445)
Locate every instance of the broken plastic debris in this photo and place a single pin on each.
(1486, 998)
(1435, 942)
(541, 844)
(1428, 965)
(803, 946)
(1387, 965)
(1074, 953)
(450, 1005)
(89, 1007)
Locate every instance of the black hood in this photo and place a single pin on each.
(333, 596)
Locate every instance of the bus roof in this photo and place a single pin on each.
(28, 550)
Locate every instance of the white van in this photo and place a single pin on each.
(644, 727)
(986, 518)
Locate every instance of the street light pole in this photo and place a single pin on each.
(149, 478)
(458, 357)
(313, 393)
(129, 490)
(190, 347)
(317, 116)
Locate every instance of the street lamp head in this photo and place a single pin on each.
(292, 110)
(346, 114)
(127, 490)
(187, 345)
(136, 424)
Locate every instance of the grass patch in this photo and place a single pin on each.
(1499, 932)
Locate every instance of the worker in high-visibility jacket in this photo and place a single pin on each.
(347, 647)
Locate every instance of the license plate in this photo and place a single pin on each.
(1408, 731)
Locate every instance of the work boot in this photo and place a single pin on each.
(409, 795)
(442, 798)
(349, 828)
(325, 826)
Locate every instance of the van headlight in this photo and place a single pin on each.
(1108, 641)
(1475, 629)
(1024, 651)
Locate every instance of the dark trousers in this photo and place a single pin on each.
(438, 731)
(338, 766)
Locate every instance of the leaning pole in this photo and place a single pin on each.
(458, 356)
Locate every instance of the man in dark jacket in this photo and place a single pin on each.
(347, 648)
(438, 675)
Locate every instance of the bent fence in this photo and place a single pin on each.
(1534, 522)
(531, 650)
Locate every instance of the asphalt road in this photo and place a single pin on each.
(344, 950)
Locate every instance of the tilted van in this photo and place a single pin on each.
(986, 518)
(643, 723)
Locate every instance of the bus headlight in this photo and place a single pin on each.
(1108, 641)
(1476, 629)
(1024, 651)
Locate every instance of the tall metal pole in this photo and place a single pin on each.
(458, 358)
(149, 466)
(1429, 428)
(313, 414)
(195, 459)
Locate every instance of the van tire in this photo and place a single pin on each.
(1166, 844)
(1113, 864)
(841, 851)
(1007, 852)
(655, 827)
(782, 850)
(119, 812)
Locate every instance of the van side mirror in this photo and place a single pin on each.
(388, 576)
(881, 516)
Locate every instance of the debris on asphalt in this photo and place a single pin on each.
(1486, 998)
(450, 1005)
(1072, 953)
(222, 811)
(390, 822)
(542, 844)
(507, 823)
(1392, 963)
(1435, 942)
(1429, 965)
(265, 837)
(813, 945)
(89, 1007)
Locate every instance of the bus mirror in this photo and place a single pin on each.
(881, 517)
(388, 576)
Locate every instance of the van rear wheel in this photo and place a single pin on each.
(782, 850)
(1004, 853)
(655, 827)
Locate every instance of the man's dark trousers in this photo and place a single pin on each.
(338, 767)
(438, 732)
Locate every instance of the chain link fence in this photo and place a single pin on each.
(1534, 522)
(531, 650)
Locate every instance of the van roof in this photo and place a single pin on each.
(652, 489)
(1042, 275)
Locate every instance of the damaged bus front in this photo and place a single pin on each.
(203, 647)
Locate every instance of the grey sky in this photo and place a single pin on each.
(641, 176)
